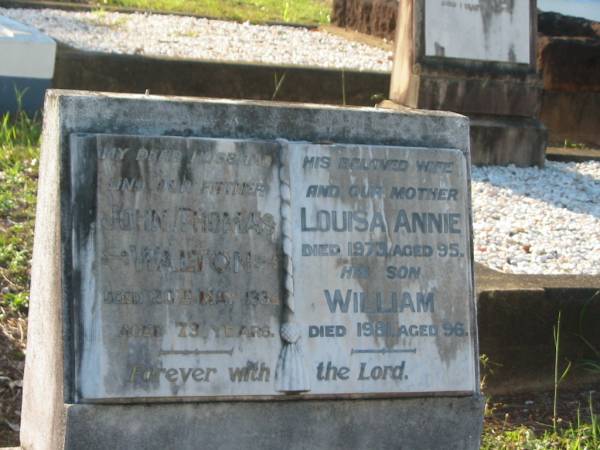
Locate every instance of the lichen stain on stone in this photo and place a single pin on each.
(512, 57)
(450, 310)
(345, 180)
(489, 10)
(185, 174)
(440, 50)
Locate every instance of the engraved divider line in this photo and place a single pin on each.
(384, 350)
(196, 352)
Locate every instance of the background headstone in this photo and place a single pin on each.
(484, 31)
(476, 58)
(27, 66)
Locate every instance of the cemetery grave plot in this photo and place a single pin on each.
(163, 278)
(524, 248)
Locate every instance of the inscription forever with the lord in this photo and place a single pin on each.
(184, 268)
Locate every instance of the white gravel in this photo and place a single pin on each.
(538, 221)
(202, 39)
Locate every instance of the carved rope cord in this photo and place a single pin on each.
(290, 374)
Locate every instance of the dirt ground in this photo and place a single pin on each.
(502, 412)
(535, 410)
(13, 332)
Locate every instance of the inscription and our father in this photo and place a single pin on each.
(184, 296)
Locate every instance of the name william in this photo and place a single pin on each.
(379, 302)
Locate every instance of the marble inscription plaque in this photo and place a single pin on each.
(382, 268)
(486, 30)
(191, 254)
(181, 268)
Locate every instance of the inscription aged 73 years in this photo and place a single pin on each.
(221, 267)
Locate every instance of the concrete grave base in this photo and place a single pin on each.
(572, 116)
(502, 140)
(521, 356)
(337, 424)
(459, 90)
(502, 110)
(33, 90)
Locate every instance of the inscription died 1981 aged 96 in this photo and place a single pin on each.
(197, 251)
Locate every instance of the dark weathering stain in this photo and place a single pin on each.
(491, 8)
(198, 161)
(373, 284)
(512, 57)
(440, 50)
(449, 307)
(130, 168)
(185, 172)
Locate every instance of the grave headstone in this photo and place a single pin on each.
(27, 67)
(246, 275)
(476, 58)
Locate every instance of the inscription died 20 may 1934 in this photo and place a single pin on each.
(197, 250)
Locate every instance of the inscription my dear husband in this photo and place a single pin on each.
(187, 256)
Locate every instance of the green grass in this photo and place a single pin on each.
(311, 12)
(582, 436)
(575, 145)
(19, 152)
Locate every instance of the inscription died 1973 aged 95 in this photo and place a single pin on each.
(219, 268)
